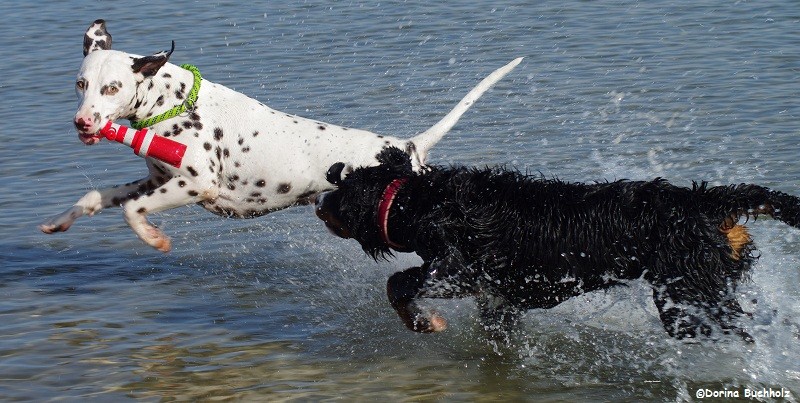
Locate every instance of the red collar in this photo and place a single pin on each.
(383, 210)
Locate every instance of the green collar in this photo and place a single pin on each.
(177, 109)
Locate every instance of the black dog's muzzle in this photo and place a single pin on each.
(326, 207)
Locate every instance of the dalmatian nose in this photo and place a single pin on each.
(82, 124)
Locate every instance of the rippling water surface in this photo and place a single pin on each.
(276, 308)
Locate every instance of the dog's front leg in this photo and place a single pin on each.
(94, 201)
(439, 279)
(174, 193)
(402, 289)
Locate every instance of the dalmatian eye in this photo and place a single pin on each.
(80, 85)
(111, 90)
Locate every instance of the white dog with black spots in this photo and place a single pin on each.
(243, 158)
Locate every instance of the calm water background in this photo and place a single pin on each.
(276, 308)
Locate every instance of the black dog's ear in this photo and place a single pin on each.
(396, 158)
(334, 174)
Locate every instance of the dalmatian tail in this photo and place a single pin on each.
(427, 139)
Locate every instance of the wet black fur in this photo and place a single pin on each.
(536, 242)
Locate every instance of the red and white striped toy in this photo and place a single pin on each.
(146, 143)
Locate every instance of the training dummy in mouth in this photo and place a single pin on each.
(145, 143)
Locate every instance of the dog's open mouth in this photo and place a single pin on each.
(325, 213)
(333, 225)
(340, 232)
(89, 138)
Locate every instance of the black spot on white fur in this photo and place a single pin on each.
(284, 188)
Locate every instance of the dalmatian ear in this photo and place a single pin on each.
(396, 159)
(148, 66)
(96, 37)
(337, 172)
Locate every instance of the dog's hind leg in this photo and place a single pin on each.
(726, 314)
(680, 319)
(685, 314)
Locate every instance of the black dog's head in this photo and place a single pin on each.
(351, 210)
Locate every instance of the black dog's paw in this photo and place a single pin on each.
(422, 322)
(402, 288)
(419, 320)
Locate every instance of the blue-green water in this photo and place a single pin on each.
(276, 308)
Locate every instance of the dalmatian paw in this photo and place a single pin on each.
(157, 239)
(63, 221)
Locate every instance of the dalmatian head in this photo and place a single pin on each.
(109, 81)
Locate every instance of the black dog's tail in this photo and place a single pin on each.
(730, 203)
(726, 205)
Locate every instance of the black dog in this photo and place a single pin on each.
(534, 243)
